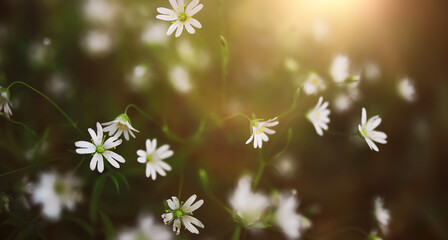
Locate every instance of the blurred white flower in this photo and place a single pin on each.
(39, 53)
(382, 215)
(249, 206)
(181, 16)
(342, 102)
(292, 223)
(183, 214)
(100, 11)
(147, 229)
(340, 69)
(154, 33)
(100, 149)
(372, 71)
(121, 125)
(97, 42)
(139, 78)
(180, 79)
(55, 192)
(366, 129)
(5, 103)
(318, 116)
(313, 84)
(259, 130)
(406, 89)
(194, 57)
(286, 165)
(291, 64)
(321, 30)
(46, 41)
(153, 157)
(58, 85)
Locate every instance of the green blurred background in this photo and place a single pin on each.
(93, 63)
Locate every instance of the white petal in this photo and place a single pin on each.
(181, 5)
(148, 172)
(160, 171)
(153, 146)
(165, 165)
(167, 17)
(94, 137)
(116, 156)
(110, 159)
(179, 30)
(141, 159)
(363, 116)
(176, 226)
(141, 153)
(189, 28)
(166, 154)
(94, 162)
(172, 28)
(162, 149)
(195, 221)
(99, 131)
(100, 163)
(126, 135)
(195, 10)
(148, 146)
(173, 4)
(195, 206)
(192, 4)
(112, 142)
(189, 201)
(166, 11)
(189, 226)
(250, 139)
(195, 23)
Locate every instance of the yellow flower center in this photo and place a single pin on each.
(121, 126)
(183, 17)
(260, 130)
(149, 158)
(315, 81)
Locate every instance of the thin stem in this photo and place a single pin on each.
(236, 115)
(181, 184)
(48, 99)
(22, 124)
(260, 169)
(79, 164)
(141, 112)
(27, 167)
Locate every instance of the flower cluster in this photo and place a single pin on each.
(179, 214)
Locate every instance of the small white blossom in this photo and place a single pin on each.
(340, 69)
(292, 223)
(259, 130)
(366, 129)
(183, 214)
(55, 192)
(154, 158)
(181, 16)
(372, 71)
(180, 79)
(154, 33)
(121, 125)
(382, 215)
(406, 89)
(5, 103)
(97, 42)
(319, 116)
(100, 148)
(147, 229)
(249, 206)
(342, 102)
(313, 84)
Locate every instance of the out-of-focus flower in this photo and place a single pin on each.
(121, 125)
(183, 214)
(372, 71)
(100, 148)
(286, 217)
(97, 42)
(55, 192)
(291, 65)
(342, 102)
(147, 229)
(321, 30)
(39, 53)
(5, 103)
(406, 90)
(249, 206)
(340, 70)
(374, 235)
(286, 165)
(58, 85)
(194, 57)
(366, 129)
(154, 33)
(181, 16)
(154, 158)
(139, 78)
(382, 215)
(313, 84)
(318, 116)
(259, 130)
(100, 11)
(180, 79)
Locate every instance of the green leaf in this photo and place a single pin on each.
(123, 178)
(82, 224)
(108, 226)
(117, 186)
(96, 193)
(237, 233)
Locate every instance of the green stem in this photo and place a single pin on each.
(141, 112)
(73, 124)
(23, 125)
(181, 184)
(260, 169)
(27, 167)
(236, 115)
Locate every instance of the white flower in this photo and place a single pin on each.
(5, 103)
(97, 42)
(342, 102)
(181, 16)
(372, 71)
(319, 116)
(147, 229)
(291, 222)
(56, 192)
(366, 130)
(154, 33)
(180, 79)
(154, 158)
(382, 215)
(259, 130)
(100, 149)
(249, 206)
(121, 125)
(313, 84)
(339, 69)
(406, 90)
(183, 214)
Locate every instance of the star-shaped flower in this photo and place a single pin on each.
(182, 214)
(366, 129)
(181, 16)
(153, 157)
(259, 130)
(319, 116)
(121, 125)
